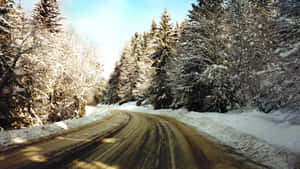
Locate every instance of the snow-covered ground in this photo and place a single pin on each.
(272, 139)
(11, 138)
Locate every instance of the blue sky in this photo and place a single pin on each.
(110, 23)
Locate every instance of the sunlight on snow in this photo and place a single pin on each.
(38, 158)
(109, 140)
(94, 164)
(33, 154)
(62, 125)
(18, 140)
(72, 139)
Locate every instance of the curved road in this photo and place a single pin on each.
(127, 141)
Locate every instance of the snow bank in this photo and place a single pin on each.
(13, 138)
(271, 139)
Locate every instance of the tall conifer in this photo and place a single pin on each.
(47, 15)
(164, 49)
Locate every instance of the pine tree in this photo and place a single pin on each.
(123, 82)
(129, 71)
(153, 30)
(144, 67)
(17, 43)
(5, 8)
(249, 47)
(207, 9)
(200, 74)
(5, 72)
(46, 15)
(164, 49)
(282, 73)
(112, 89)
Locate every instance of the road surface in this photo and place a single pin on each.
(127, 141)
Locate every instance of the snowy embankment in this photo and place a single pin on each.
(271, 139)
(12, 138)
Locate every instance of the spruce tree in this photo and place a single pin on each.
(144, 67)
(46, 15)
(201, 57)
(123, 82)
(5, 8)
(16, 45)
(5, 71)
(163, 50)
(129, 71)
(112, 89)
(153, 30)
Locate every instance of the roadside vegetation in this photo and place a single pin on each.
(46, 74)
(226, 55)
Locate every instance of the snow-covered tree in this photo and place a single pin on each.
(122, 86)
(163, 52)
(281, 80)
(42, 78)
(199, 76)
(16, 43)
(5, 8)
(47, 15)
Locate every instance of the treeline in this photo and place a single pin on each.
(225, 56)
(142, 69)
(46, 73)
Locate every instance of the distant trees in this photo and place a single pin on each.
(143, 66)
(122, 83)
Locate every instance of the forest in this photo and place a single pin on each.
(225, 55)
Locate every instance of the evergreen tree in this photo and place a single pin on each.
(123, 82)
(46, 15)
(5, 8)
(112, 89)
(129, 71)
(144, 67)
(218, 53)
(17, 42)
(249, 47)
(282, 70)
(5, 72)
(153, 30)
(163, 50)
(200, 52)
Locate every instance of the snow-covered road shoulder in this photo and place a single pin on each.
(13, 138)
(271, 139)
